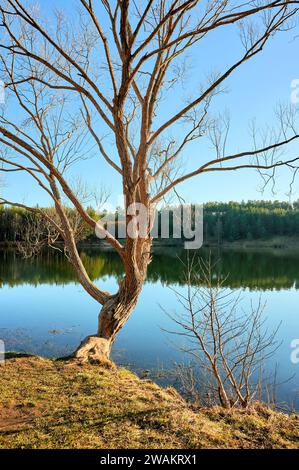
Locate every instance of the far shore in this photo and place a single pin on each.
(274, 243)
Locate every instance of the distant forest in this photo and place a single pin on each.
(250, 220)
(223, 222)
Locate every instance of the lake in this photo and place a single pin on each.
(43, 309)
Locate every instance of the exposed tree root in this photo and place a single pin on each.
(94, 350)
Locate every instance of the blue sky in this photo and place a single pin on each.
(252, 92)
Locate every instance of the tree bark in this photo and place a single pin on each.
(113, 315)
(115, 312)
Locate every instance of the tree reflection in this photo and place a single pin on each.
(262, 270)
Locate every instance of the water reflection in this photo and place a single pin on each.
(263, 270)
(43, 309)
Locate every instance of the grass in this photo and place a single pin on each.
(55, 404)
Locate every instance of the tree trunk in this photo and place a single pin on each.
(118, 308)
(114, 314)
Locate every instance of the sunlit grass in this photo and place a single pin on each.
(54, 404)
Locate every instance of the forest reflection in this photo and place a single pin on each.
(262, 269)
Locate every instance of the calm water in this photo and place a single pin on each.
(43, 310)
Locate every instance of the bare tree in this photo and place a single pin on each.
(98, 83)
(228, 347)
(40, 232)
(37, 234)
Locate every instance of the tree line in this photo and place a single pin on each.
(223, 222)
(250, 220)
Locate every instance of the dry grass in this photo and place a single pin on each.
(54, 404)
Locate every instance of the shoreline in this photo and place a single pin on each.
(274, 243)
(90, 413)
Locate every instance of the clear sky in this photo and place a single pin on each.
(252, 92)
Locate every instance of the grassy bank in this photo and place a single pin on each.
(54, 404)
